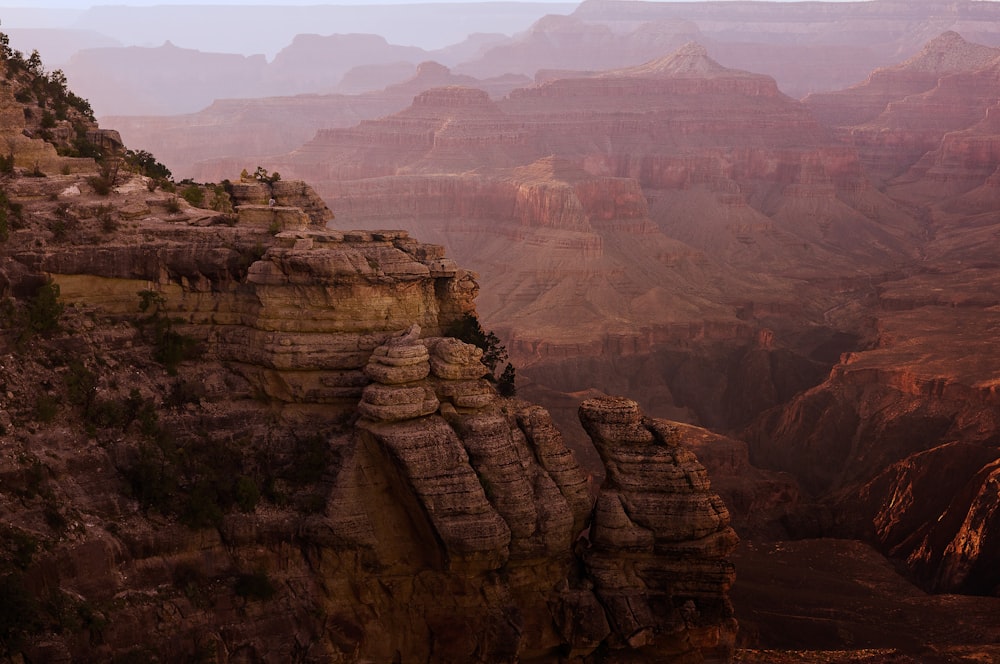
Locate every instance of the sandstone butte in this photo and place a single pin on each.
(236, 434)
(686, 234)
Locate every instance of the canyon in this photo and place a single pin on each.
(231, 432)
(856, 240)
(155, 95)
(680, 259)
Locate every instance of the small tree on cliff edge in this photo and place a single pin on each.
(470, 331)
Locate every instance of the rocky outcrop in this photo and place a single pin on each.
(876, 439)
(655, 514)
(935, 510)
(32, 144)
(330, 471)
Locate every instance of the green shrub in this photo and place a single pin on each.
(201, 508)
(184, 392)
(45, 309)
(506, 382)
(470, 331)
(18, 545)
(100, 184)
(146, 164)
(54, 518)
(105, 215)
(194, 195)
(107, 414)
(80, 383)
(310, 460)
(170, 347)
(221, 202)
(152, 478)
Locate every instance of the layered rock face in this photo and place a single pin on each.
(810, 49)
(921, 399)
(875, 439)
(903, 112)
(946, 54)
(194, 145)
(675, 203)
(807, 48)
(330, 480)
(654, 514)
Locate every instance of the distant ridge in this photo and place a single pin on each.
(949, 52)
(689, 61)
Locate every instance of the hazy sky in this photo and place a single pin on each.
(84, 4)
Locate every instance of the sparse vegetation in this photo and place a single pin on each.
(46, 408)
(194, 195)
(146, 164)
(171, 347)
(108, 222)
(100, 184)
(469, 330)
(261, 175)
(20, 615)
(221, 201)
(44, 311)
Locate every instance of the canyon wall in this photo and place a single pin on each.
(249, 436)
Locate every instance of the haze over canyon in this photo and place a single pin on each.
(741, 258)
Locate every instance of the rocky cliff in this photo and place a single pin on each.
(242, 435)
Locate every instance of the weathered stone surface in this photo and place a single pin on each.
(466, 393)
(455, 360)
(660, 541)
(397, 375)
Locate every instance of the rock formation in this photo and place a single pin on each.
(634, 220)
(946, 54)
(677, 232)
(655, 513)
(244, 434)
(192, 145)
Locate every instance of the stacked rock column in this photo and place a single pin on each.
(660, 540)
